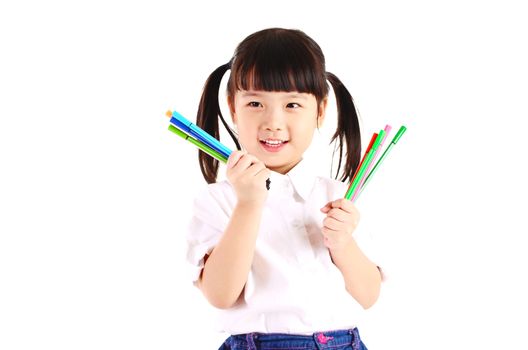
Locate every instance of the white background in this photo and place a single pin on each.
(95, 192)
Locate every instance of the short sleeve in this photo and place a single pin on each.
(210, 215)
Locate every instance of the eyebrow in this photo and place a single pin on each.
(289, 95)
(250, 94)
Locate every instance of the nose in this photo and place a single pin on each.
(274, 120)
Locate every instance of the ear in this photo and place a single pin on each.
(231, 105)
(322, 112)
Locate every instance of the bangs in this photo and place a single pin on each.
(279, 64)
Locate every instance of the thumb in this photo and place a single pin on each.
(327, 207)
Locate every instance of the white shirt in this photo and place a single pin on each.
(293, 286)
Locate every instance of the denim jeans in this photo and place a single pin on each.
(335, 340)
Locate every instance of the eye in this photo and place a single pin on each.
(293, 105)
(254, 104)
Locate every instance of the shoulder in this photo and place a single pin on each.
(213, 204)
(217, 191)
(214, 200)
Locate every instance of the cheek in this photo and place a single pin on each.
(246, 129)
(306, 133)
(246, 133)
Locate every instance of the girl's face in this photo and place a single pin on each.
(276, 127)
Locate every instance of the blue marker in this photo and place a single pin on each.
(188, 127)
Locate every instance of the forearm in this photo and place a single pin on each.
(362, 277)
(226, 269)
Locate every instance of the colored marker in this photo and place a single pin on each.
(364, 165)
(371, 142)
(387, 129)
(192, 129)
(198, 144)
(395, 140)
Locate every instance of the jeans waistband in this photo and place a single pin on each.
(321, 340)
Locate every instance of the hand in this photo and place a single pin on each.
(342, 218)
(248, 176)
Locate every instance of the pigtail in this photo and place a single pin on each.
(347, 131)
(207, 119)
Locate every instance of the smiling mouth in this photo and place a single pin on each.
(273, 145)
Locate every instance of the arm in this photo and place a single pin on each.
(362, 277)
(226, 270)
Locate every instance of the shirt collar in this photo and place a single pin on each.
(300, 176)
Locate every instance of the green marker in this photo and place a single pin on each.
(198, 144)
(370, 155)
(384, 155)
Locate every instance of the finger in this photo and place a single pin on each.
(234, 157)
(250, 159)
(344, 204)
(326, 207)
(243, 163)
(256, 168)
(333, 224)
(340, 215)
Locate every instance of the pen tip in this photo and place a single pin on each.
(168, 113)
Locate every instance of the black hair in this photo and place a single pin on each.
(278, 59)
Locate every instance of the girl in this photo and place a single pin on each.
(289, 267)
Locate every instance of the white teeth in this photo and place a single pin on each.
(273, 142)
